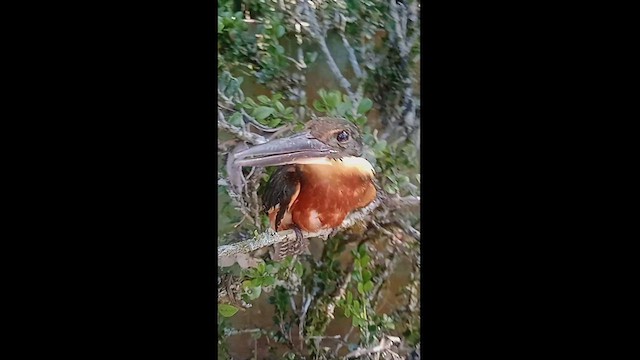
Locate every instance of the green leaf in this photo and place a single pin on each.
(227, 310)
(403, 180)
(362, 250)
(280, 30)
(251, 102)
(299, 269)
(380, 145)
(268, 281)
(232, 88)
(356, 276)
(367, 286)
(360, 288)
(356, 321)
(390, 189)
(263, 99)
(319, 106)
(274, 122)
(265, 221)
(332, 99)
(365, 105)
(310, 57)
(254, 293)
(366, 275)
(279, 106)
(262, 112)
(343, 108)
(390, 325)
(364, 260)
(235, 119)
(273, 268)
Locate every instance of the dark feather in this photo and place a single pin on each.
(281, 187)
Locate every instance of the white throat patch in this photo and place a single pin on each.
(357, 163)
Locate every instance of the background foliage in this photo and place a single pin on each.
(281, 63)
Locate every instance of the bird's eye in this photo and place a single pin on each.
(343, 136)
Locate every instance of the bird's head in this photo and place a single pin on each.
(322, 139)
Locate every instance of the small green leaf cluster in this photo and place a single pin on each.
(269, 111)
(223, 346)
(250, 45)
(228, 215)
(412, 332)
(234, 38)
(395, 162)
(323, 281)
(271, 54)
(264, 275)
(357, 304)
(334, 103)
(280, 301)
(230, 86)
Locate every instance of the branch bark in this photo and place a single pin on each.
(227, 253)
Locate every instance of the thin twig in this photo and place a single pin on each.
(334, 337)
(255, 123)
(384, 345)
(303, 317)
(408, 229)
(345, 341)
(318, 34)
(352, 56)
(231, 332)
(247, 136)
(388, 270)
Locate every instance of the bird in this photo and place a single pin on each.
(320, 178)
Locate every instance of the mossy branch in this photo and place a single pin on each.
(227, 254)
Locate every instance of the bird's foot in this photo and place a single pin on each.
(291, 246)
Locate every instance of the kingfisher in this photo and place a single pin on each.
(320, 178)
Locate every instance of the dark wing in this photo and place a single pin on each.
(281, 191)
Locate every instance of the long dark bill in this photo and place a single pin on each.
(283, 151)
